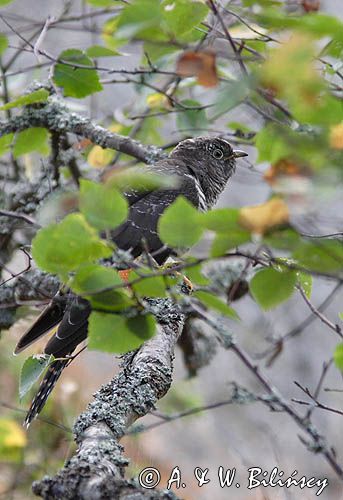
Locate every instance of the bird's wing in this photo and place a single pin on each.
(139, 232)
(72, 329)
(50, 317)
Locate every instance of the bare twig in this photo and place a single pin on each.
(335, 327)
(16, 215)
(315, 403)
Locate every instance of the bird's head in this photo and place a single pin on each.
(211, 160)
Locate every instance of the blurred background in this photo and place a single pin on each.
(239, 436)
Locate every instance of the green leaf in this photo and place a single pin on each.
(100, 51)
(180, 224)
(265, 3)
(148, 287)
(109, 29)
(215, 303)
(40, 95)
(338, 356)
(111, 301)
(60, 248)
(283, 239)
(226, 241)
(224, 222)
(221, 220)
(182, 15)
(3, 43)
(194, 273)
(191, 119)
(340, 315)
(333, 48)
(271, 145)
(32, 139)
(5, 2)
(102, 205)
(151, 131)
(323, 256)
(5, 143)
(92, 278)
(139, 179)
(117, 334)
(270, 287)
(240, 127)
(158, 52)
(141, 19)
(317, 24)
(76, 82)
(31, 371)
(228, 97)
(305, 281)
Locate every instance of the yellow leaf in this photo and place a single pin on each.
(289, 70)
(116, 128)
(241, 31)
(12, 439)
(156, 101)
(260, 218)
(336, 136)
(99, 157)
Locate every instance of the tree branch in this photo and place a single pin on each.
(97, 469)
(56, 117)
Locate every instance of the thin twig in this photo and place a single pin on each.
(335, 327)
(17, 215)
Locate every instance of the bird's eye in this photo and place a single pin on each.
(218, 154)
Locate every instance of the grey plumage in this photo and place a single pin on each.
(203, 166)
(203, 176)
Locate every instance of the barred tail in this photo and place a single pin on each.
(46, 386)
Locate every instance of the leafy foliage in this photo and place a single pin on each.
(3, 43)
(5, 143)
(102, 205)
(73, 75)
(60, 248)
(270, 287)
(32, 370)
(40, 95)
(33, 139)
(180, 224)
(117, 334)
(338, 356)
(210, 300)
(325, 255)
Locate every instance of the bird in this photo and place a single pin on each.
(202, 166)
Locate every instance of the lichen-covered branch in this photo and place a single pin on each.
(33, 286)
(96, 471)
(55, 116)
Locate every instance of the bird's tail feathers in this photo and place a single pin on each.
(48, 383)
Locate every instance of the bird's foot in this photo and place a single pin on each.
(125, 274)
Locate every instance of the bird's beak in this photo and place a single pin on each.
(239, 154)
